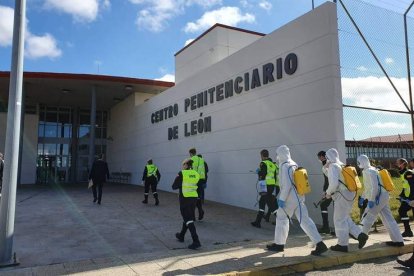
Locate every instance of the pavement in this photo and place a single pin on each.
(58, 230)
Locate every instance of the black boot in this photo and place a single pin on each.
(275, 247)
(339, 248)
(267, 216)
(180, 236)
(196, 242)
(362, 240)
(145, 201)
(259, 216)
(394, 244)
(407, 229)
(157, 202)
(320, 248)
(325, 228)
(407, 263)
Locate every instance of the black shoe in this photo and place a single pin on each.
(333, 233)
(145, 201)
(406, 234)
(339, 248)
(362, 240)
(194, 245)
(94, 200)
(99, 202)
(324, 230)
(256, 224)
(408, 263)
(179, 237)
(275, 247)
(320, 248)
(267, 217)
(157, 202)
(394, 244)
(201, 215)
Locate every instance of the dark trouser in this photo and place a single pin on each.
(200, 192)
(187, 209)
(153, 184)
(268, 199)
(324, 211)
(98, 185)
(403, 212)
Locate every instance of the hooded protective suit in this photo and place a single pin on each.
(380, 199)
(294, 203)
(343, 200)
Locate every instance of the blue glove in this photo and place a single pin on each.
(371, 204)
(257, 170)
(361, 202)
(281, 203)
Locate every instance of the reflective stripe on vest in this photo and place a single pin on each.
(198, 165)
(406, 185)
(151, 170)
(270, 176)
(190, 180)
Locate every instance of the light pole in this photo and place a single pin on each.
(12, 146)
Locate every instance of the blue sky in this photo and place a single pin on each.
(134, 38)
(138, 38)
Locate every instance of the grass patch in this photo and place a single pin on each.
(394, 203)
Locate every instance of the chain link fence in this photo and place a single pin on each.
(374, 75)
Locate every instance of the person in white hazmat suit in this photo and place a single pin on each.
(343, 200)
(290, 202)
(378, 203)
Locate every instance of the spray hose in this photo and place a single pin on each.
(296, 194)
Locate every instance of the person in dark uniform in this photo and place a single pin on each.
(99, 173)
(150, 178)
(203, 185)
(410, 262)
(267, 174)
(325, 202)
(407, 193)
(187, 183)
(199, 166)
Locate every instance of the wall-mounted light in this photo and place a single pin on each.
(128, 87)
(65, 91)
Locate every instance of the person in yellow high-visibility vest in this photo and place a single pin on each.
(199, 166)
(409, 262)
(407, 193)
(267, 174)
(187, 183)
(150, 178)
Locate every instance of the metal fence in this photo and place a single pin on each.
(376, 53)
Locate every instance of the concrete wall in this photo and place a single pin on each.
(29, 154)
(302, 110)
(209, 49)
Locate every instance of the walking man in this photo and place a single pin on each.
(186, 182)
(99, 173)
(150, 178)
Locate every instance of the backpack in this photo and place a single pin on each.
(351, 178)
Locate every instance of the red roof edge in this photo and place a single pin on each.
(214, 26)
(89, 77)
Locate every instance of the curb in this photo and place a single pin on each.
(324, 262)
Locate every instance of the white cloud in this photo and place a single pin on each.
(188, 41)
(204, 3)
(387, 125)
(35, 46)
(154, 15)
(41, 46)
(167, 77)
(6, 26)
(265, 5)
(225, 15)
(81, 10)
(375, 92)
(362, 68)
(389, 60)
